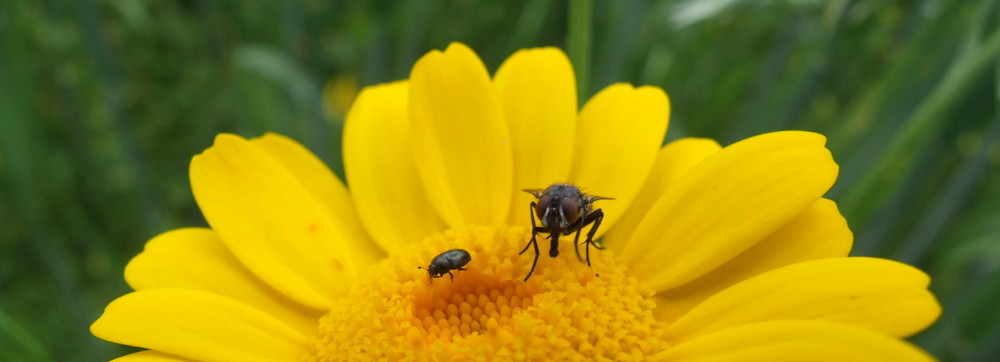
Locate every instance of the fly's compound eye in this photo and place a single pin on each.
(570, 209)
(543, 203)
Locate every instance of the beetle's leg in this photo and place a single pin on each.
(429, 278)
(461, 269)
(451, 275)
(534, 231)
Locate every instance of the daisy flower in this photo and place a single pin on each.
(712, 253)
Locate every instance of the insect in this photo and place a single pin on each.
(563, 209)
(445, 262)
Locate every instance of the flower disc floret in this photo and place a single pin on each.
(564, 311)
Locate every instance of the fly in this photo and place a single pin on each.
(563, 209)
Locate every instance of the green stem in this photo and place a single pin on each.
(580, 15)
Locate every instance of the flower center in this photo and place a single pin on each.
(563, 311)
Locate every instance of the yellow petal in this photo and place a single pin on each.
(271, 223)
(537, 93)
(381, 171)
(338, 94)
(620, 131)
(197, 325)
(460, 140)
(726, 204)
(673, 160)
(324, 186)
(817, 233)
(877, 294)
(149, 356)
(792, 340)
(195, 258)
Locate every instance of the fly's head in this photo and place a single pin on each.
(560, 207)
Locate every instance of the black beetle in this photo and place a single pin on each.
(453, 259)
(563, 210)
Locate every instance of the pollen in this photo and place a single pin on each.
(564, 311)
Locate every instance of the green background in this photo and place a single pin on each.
(102, 104)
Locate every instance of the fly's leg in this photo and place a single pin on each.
(554, 245)
(594, 217)
(534, 232)
(533, 262)
(534, 229)
(576, 240)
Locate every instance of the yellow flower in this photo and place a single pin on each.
(338, 94)
(713, 253)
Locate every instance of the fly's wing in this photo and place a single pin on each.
(537, 193)
(588, 198)
(591, 198)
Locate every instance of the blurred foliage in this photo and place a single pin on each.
(102, 104)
